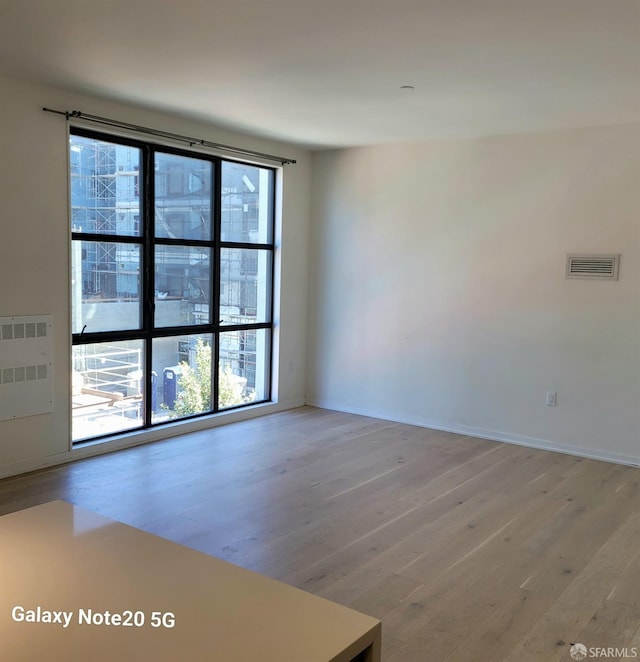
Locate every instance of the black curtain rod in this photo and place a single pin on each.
(76, 114)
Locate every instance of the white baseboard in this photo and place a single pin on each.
(139, 437)
(492, 435)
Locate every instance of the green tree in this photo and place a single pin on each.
(229, 390)
(194, 385)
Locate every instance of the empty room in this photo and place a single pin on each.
(320, 330)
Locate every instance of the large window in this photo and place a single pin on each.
(171, 284)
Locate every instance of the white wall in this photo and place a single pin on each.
(34, 255)
(438, 294)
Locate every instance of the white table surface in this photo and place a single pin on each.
(61, 563)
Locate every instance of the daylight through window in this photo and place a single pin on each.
(171, 284)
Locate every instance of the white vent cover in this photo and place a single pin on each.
(592, 266)
(26, 368)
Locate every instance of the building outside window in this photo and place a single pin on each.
(171, 282)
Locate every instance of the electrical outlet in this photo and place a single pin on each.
(292, 367)
(551, 398)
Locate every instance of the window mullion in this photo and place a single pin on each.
(216, 207)
(148, 284)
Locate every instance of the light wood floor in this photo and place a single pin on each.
(466, 549)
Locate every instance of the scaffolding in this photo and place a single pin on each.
(107, 388)
(104, 200)
(107, 370)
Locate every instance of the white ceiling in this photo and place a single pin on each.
(328, 72)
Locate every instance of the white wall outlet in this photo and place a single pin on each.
(551, 398)
(292, 367)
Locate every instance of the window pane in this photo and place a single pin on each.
(183, 366)
(245, 283)
(204, 233)
(247, 203)
(183, 197)
(107, 388)
(105, 187)
(105, 284)
(182, 283)
(244, 360)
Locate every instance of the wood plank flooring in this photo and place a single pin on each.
(467, 549)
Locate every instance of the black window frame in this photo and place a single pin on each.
(147, 240)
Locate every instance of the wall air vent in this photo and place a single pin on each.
(26, 366)
(592, 266)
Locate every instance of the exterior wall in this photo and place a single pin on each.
(439, 294)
